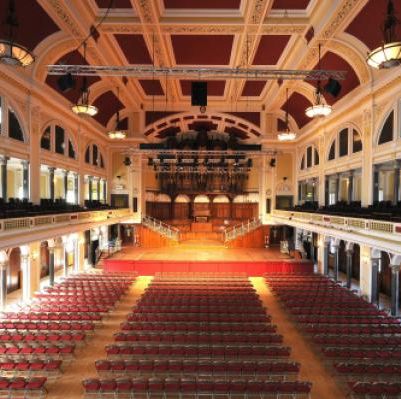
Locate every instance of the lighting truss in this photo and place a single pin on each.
(146, 71)
(200, 153)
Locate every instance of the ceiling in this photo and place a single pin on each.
(280, 34)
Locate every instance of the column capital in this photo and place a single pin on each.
(51, 168)
(395, 268)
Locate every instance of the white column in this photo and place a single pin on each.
(367, 163)
(81, 252)
(262, 189)
(136, 187)
(3, 279)
(30, 266)
(365, 279)
(320, 253)
(34, 154)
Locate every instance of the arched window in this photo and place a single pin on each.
(349, 142)
(56, 139)
(387, 133)
(9, 122)
(93, 156)
(310, 157)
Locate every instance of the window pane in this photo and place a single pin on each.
(356, 141)
(344, 142)
(59, 140)
(71, 151)
(309, 157)
(332, 152)
(303, 163)
(14, 128)
(95, 155)
(101, 161)
(87, 155)
(386, 134)
(45, 141)
(1, 112)
(316, 157)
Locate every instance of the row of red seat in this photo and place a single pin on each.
(47, 350)
(357, 340)
(200, 309)
(196, 367)
(361, 320)
(33, 387)
(41, 337)
(180, 386)
(50, 325)
(201, 337)
(199, 317)
(45, 316)
(26, 366)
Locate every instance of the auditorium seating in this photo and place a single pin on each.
(361, 342)
(38, 338)
(197, 334)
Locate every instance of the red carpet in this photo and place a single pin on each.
(257, 268)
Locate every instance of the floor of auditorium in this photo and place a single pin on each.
(312, 368)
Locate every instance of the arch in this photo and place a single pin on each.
(221, 199)
(44, 259)
(345, 141)
(14, 278)
(11, 114)
(162, 198)
(309, 157)
(218, 121)
(387, 129)
(182, 199)
(201, 199)
(94, 150)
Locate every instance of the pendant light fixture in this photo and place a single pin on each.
(287, 134)
(83, 108)
(320, 108)
(12, 53)
(389, 54)
(117, 133)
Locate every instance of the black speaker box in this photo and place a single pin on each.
(135, 204)
(199, 94)
(66, 82)
(333, 87)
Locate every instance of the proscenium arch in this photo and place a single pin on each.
(255, 133)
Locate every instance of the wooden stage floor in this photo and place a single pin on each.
(200, 250)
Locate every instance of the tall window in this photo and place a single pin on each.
(349, 142)
(310, 157)
(10, 125)
(56, 139)
(94, 156)
(387, 132)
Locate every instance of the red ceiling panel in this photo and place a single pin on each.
(290, 4)
(116, 3)
(74, 58)
(134, 49)
(270, 49)
(151, 87)
(202, 49)
(214, 87)
(153, 116)
(204, 4)
(253, 117)
(367, 24)
(253, 88)
(281, 125)
(335, 62)
(34, 23)
(108, 104)
(296, 108)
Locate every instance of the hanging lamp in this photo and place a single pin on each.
(12, 53)
(287, 134)
(319, 109)
(83, 108)
(389, 54)
(117, 133)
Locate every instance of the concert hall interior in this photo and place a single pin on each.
(200, 199)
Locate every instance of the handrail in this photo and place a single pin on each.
(162, 228)
(239, 230)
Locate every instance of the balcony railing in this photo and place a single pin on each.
(163, 229)
(239, 230)
(374, 227)
(24, 224)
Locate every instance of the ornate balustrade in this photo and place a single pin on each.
(239, 230)
(162, 228)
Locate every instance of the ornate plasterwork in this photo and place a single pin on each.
(60, 9)
(207, 29)
(121, 28)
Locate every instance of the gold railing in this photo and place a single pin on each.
(51, 221)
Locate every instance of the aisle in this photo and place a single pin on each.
(312, 367)
(69, 385)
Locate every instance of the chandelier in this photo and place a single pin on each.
(83, 108)
(117, 133)
(286, 135)
(12, 53)
(389, 54)
(319, 109)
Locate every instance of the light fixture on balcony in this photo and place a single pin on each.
(117, 133)
(83, 108)
(286, 134)
(12, 53)
(319, 109)
(389, 54)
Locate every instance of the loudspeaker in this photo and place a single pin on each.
(199, 94)
(66, 82)
(333, 87)
(273, 162)
(135, 204)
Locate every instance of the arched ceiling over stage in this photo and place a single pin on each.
(279, 34)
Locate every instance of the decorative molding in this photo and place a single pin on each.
(61, 12)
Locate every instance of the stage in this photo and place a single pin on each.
(204, 256)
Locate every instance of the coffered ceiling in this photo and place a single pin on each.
(280, 34)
